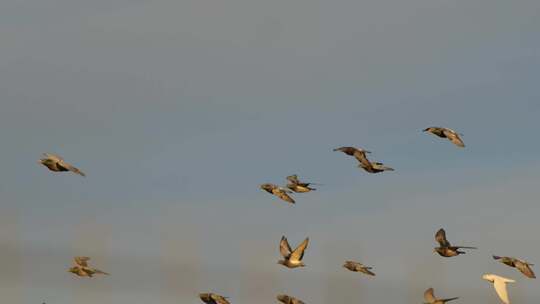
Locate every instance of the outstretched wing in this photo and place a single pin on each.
(81, 261)
(298, 253)
(72, 168)
(284, 247)
(454, 137)
(279, 192)
(524, 268)
(219, 299)
(428, 296)
(293, 179)
(53, 157)
(500, 288)
(440, 237)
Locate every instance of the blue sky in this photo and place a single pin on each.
(178, 110)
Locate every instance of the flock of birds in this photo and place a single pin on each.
(294, 258)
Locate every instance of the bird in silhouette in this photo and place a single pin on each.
(446, 249)
(285, 299)
(297, 186)
(82, 269)
(292, 258)
(212, 298)
(431, 299)
(500, 285)
(452, 135)
(358, 267)
(280, 192)
(375, 167)
(57, 164)
(522, 266)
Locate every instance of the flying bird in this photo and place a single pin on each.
(292, 259)
(280, 192)
(452, 135)
(431, 299)
(212, 298)
(82, 269)
(446, 249)
(522, 266)
(364, 163)
(375, 167)
(57, 164)
(500, 285)
(285, 299)
(358, 267)
(295, 185)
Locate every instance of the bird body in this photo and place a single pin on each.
(446, 249)
(212, 298)
(57, 164)
(430, 298)
(500, 285)
(522, 266)
(282, 193)
(285, 299)
(358, 267)
(292, 258)
(452, 135)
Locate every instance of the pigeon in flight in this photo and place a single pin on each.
(446, 249)
(452, 135)
(358, 267)
(82, 269)
(212, 298)
(292, 258)
(295, 185)
(500, 285)
(522, 266)
(57, 164)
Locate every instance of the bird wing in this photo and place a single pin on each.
(347, 150)
(429, 296)
(284, 298)
(293, 179)
(219, 299)
(440, 237)
(72, 168)
(298, 253)
(367, 271)
(525, 269)
(500, 288)
(454, 137)
(361, 157)
(284, 247)
(464, 247)
(81, 261)
(283, 195)
(53, 157)
(205, 297)
(101, 272)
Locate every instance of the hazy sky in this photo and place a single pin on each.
(178, 110)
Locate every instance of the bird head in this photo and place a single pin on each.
(74, 270)
(266, 187)
(426, 129)
(281, 262)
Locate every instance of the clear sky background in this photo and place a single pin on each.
(178, 110)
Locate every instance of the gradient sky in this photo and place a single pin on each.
(178, 110)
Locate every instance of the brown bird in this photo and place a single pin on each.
(446, 249)
(375, 167)
(452, 135)
(292, 259)
(82, 269)
(295, 185)
(522, 266)
(212, 298)
(430, 298)
(57, 164)
(280, 192)
(285, 299)
(358, 267)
